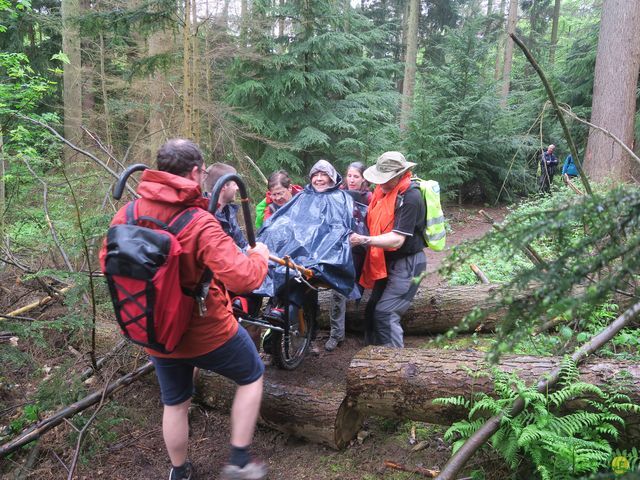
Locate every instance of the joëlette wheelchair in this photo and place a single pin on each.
(290, 316)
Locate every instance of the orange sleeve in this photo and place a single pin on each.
(239, 272)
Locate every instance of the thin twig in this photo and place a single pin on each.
(253, 164)
(84, 429)
(606, 132)
(52, 229)
(76, 148)
(92, 289)
(101, 146)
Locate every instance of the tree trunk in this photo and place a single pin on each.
(500, 44)
(432, 311)
(403, 382)
(72, 79)
(614, 91)
(508, 51)
(186, 71)
(2, 185)
(409, 81)
(159, 95)
(319, 415)
(554, 31)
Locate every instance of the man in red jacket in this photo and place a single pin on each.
(213, 341)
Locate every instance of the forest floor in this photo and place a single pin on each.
(125, 439)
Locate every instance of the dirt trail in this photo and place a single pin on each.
(137, 450)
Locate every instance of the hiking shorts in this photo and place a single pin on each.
(237, 360)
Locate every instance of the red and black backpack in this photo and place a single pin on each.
(142, 270)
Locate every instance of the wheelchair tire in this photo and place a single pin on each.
(289, 357)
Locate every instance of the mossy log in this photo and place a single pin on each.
(402, 383)
(321, 415)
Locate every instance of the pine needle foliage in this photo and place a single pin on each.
(579, 272)
(315, 89)
(558, 445)
(459, 134)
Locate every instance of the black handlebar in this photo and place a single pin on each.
(244, 201)
(213, 202)
(122, 181)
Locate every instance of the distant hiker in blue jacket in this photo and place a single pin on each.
(569, 167)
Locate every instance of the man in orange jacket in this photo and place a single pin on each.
(396, 219)
(213, 341)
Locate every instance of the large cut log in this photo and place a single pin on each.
(402, 383)
(433, 310)
(321, 415)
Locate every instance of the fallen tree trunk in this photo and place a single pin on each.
(321, 415)
(432, 311)
(436, 310)
(403, 382)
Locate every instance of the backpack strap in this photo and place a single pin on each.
(133, 220)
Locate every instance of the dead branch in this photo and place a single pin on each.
(34, 432)
(52, 229)
(479, 273)
(17, 317)
(253, 164)
(84, 429)
(76, 148)
(101, 146)
(425, 472)
(606, 132)
(567, 181)
(102, 360)
(33, 305)
(23, 473)
(484, 433)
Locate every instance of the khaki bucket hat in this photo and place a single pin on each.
(388, 166)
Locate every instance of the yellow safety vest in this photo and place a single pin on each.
(435, 234)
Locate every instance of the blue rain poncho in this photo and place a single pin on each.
(313, 229)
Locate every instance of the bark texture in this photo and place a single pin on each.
(409, 82)
(72, 78)
(320, 415)
(614, 91)
(512, 19)
(433, 310)
(402, 383)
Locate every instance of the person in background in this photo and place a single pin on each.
(548, 164)
(569, 168)
(355, 182)
(279, 191)
(358, 188)
(396, 220)
(213, 341)
(227, 211)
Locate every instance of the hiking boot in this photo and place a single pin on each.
(254, 470)
(275, 315)
(332, 344)
(187, 472)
